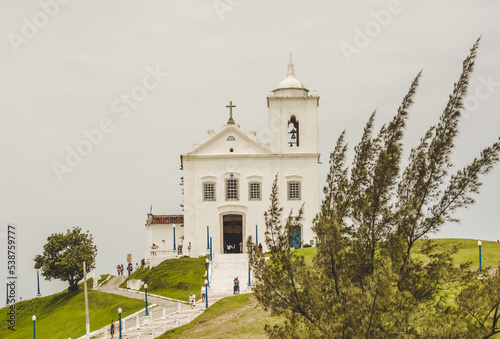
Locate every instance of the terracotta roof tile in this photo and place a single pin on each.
(168, 219)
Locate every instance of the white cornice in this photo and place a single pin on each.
(229, 156)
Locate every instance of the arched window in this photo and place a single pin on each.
(293, 132)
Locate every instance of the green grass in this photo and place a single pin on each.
(232, 317)
(174, 278)
(468, 251)
(62, 315)
(308, 253)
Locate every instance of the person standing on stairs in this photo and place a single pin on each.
(236, 288)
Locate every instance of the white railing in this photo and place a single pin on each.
(156, 257)
(162, 253)
(208, 275)
(162, 328)
(109, 277)
(127, 322)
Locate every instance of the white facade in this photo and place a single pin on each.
(228, 178)
(160, 230)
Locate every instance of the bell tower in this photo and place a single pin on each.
(293, 116)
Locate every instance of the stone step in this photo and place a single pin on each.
(226, 267)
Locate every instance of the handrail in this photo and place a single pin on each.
(109, 277)
(152, 330)
(103, 329)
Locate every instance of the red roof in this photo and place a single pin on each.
(168, 219)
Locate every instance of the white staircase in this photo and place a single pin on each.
(226, 267)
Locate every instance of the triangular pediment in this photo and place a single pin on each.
(230, 140)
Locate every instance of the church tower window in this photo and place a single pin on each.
(209, 191)
(293, 132)
(293, 190)
(232, 189)
(254, 191)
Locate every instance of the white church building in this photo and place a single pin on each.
(228, 179)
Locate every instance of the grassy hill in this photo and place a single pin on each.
(174, 278)
(62, 315)
(468, 251)
(232, 317)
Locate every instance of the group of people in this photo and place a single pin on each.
(120, 269)
(192, 297)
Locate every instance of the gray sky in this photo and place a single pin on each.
(87, 65)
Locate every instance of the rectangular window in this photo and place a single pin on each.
(209, 191)
(232, 189)
(294, 190)
(254, 191)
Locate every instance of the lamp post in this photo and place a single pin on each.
(210, 246)
(34, 319)
(174, 237)
(208, 241)
(249, 283)
(146, 297)
(120, 322)
(38, 282)
(206, 292)
(256, 233)
(479, 243)
(207, 282)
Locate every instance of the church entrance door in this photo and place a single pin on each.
(232, 225)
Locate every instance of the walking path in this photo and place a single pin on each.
(167, 315)
(112, 286)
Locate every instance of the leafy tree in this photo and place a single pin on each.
(364, 281)
(63, 256)
(480, 305)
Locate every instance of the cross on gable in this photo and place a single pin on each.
(230, 106)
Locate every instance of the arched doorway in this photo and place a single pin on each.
(232, 228)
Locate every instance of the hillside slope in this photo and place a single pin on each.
(62, 315)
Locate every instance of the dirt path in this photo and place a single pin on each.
(112, 287)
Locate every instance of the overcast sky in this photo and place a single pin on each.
(154, 76)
